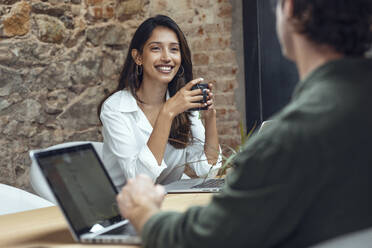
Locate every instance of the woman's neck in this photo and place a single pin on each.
(151, 93)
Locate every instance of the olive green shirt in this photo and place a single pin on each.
(304, 179)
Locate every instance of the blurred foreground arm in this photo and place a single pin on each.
(139, 200)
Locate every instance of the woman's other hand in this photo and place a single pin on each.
(210, 113)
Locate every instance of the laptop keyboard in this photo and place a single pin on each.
(112, 239)
(125, 234)
(210, 183)
(125, 229)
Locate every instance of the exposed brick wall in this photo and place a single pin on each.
(58, 58)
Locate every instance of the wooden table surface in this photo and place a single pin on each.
(47, 228)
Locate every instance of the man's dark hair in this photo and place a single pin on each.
(345, 25)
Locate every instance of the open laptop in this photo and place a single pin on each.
(85, 194)
(202, 185)
(265, 125)
(195, 185)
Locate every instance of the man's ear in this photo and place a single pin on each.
(287, 6)
(136, 56)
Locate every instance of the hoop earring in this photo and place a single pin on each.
(181, 71)
(139, 70)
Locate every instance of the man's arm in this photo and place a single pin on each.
(261, 203)
(139, 200)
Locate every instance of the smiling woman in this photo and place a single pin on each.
(147, 125)
(160, 58)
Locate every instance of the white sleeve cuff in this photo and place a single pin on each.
(150, 164)
(204, 169)
(214, 171)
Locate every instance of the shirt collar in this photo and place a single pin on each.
(339, 69)
(128, 103)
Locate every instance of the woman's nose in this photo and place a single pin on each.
(165, 57)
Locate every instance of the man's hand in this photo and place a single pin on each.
(139, 200)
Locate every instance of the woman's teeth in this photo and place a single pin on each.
(164, 68)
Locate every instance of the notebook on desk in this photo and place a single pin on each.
(85, 194)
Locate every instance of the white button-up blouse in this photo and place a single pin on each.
(126, 131)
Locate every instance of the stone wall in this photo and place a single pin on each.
(58, 59)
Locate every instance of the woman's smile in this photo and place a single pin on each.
(164, 68)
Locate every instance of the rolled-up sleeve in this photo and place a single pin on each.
(125, 147)
(196, 157)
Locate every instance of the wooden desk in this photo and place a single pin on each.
(47, 228)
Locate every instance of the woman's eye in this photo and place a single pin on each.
(155, 48)
(175, 49)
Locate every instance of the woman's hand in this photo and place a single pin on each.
(184, 99)
(211, 146)
(210, 113)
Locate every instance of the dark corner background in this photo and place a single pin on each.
(270, 78)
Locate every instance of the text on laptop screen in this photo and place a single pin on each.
(84, 191)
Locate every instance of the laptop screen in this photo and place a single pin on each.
(81, 186)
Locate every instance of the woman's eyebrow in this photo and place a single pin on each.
(159, 43)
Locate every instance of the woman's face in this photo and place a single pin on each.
(161, 56)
